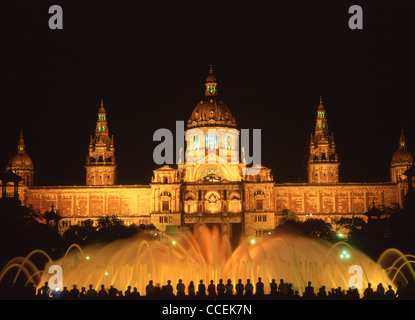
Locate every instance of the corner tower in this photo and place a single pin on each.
(323, 164)
(401, 160)
(100, 162)
(21, 164)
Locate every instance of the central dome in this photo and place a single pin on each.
(211, 112)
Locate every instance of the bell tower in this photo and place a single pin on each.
(323, 164)
(100, 162)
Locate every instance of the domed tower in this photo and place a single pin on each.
(100, 162)
(323, 164)
(401, 160)
(21, 164)
(212, 147)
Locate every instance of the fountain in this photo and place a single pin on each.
(297, 260)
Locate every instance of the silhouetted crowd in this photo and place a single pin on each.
(281, 290)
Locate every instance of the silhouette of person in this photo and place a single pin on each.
(112, 292)
(74, 293)
(191, 289)
(220, 288)
(39, 293)
(380, 291)
(390, 293)
(339, 293)
(180, 288)
(273, 288)
(211, 289)
(82, 293)
(249, 288)
(127, 292)
(201, 289)
(135, 294)
(168, 288)
(290, 291)
(157, 290)
(322, 294)
(309, 291)
(91, 293)
(229, 288)
(150, 288)
(45, 290)
(259, 287)
(282, 287)
(102, 293)
(239, 287)
(368, 293)
(64, 293)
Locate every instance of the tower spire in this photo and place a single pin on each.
(323, 161)
(100, 164)
(211, 84)
(21, 145)
(402, 140)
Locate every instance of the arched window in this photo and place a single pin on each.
(165, 194)
(259, 193)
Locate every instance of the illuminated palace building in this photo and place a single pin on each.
(198, 193)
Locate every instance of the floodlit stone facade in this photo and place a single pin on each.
(221, 193)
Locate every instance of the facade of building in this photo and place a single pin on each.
(212, 186)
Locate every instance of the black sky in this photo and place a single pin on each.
(148, 63)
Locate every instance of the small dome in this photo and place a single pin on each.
(21, 161)
(402, 156)
(210, 112)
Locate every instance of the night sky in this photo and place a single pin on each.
(149, 62)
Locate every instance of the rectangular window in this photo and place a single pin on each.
(216, 141)
(166, 205)
(161, 220)
(264, 218)
(207, 140)
(259, 204)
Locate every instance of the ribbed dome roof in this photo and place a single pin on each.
(210, 112)
(402, 156)
(21, 161)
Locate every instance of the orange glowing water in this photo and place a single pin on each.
(133, 262)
